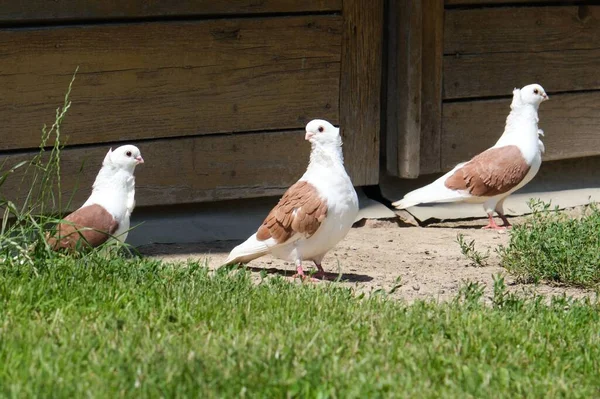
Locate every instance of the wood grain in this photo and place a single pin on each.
(68, 10)
(360, 88)
(403, 143)
(571, 123)
(502, 2)
(150, 80)
(521, 29)
(177, 171)
(431, 86)
(497, 74)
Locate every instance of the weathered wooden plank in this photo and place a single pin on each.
(495, 74)
(571, 123)
(360, 88)
(68, 10)
(503, 2)
(431, 86)
(153, 80)
(404, 89)
(177, 171)
(521, 29)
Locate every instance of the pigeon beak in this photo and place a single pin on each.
(545, 97)
(139, 159)
(308, 136)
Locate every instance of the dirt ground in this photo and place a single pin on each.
(427, 261)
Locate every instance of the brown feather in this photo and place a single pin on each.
(281, 223)
(495, 171)
(88, 226)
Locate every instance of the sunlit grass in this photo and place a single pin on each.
(551, 246)
(118, 327)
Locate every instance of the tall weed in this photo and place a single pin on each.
(26, 221)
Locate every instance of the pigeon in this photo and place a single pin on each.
(490, 177)
(105, 215)
(314, 214)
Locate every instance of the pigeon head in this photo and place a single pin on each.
(125, 157)
(319, 131)
(532, 94)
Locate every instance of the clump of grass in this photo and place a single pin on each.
(467, 248)
(551, 246)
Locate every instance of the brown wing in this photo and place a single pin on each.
(490, 173)
(300, 210)
(92, 225)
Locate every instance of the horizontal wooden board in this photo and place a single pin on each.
(571, 123)
(497, 74)
(521, 29)
(44, 10)
(189, 170)
(504, 2)
(151, 80)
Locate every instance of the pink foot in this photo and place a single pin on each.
(506, 224)
(492, 225)
(320, 274)
(300, 274)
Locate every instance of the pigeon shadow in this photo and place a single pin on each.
(208, 248)
(205, 248)
(456, 226)
(337, 277)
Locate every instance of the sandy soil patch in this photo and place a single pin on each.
(427, 261)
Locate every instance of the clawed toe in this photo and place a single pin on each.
(304, 277)
(495, 227)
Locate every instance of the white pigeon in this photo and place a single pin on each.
(107, 211)
(314, 214)
(491, 176)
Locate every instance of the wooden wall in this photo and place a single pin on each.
(215, 93)
(472, 54)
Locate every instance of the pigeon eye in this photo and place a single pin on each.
(128, 153)
(536, 91)
(321, 129)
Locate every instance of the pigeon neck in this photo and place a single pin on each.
(327, 154)
(114, 189)
(521, 127)
(522, 117)
(112, 182)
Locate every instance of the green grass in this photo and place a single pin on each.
(117, 327)
(102, 325)
(467, 248)
(551, 246)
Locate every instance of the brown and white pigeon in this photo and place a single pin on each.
(490, 177)
(107, 211)
(314, 214)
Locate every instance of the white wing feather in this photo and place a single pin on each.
(434, 192)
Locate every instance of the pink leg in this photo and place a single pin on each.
(505, 221)
(492, 224)
(299, 271)
(320, 273)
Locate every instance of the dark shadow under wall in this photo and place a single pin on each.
(569, 182)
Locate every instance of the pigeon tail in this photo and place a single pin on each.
(431, 193)
(249, 250)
